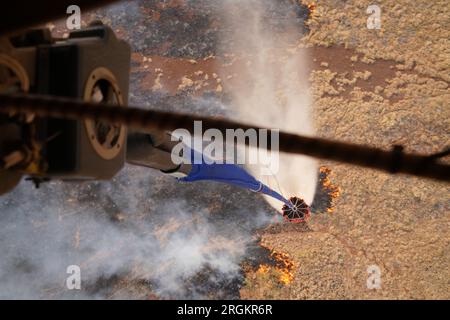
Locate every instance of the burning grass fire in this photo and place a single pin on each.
(311, 8)
(278, 267)
(265, 264)
(326, 193)
(284, 267)
(269, 265)
(330, 188)
(181, 250)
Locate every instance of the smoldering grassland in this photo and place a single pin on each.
(147, 228)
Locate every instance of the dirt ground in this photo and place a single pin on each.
(401, 224)
(377, 87)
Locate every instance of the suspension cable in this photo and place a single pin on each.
(394, 161)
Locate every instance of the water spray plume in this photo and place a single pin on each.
(273, 90)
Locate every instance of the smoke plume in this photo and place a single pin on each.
(139, 233)
(143, 234)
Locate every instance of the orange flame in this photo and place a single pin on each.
(263, 268)
(333, 190)
(312, 7)
(284, 266)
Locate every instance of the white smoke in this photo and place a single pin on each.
(140, 226)
(145, 226)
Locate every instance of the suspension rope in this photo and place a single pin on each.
(394, 161)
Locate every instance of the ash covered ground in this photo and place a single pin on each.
(145, 235)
